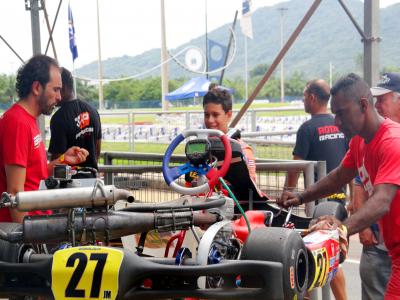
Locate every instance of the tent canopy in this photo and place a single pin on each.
(195, 87)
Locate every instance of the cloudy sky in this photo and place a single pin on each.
(127, 27)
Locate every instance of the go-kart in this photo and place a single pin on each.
(273, 262)
(308, 262)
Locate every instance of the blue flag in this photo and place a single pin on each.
(245, 7)
(71, 29)
(245, 22)
(216, 54)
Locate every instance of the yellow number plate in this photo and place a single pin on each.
(86, 273)
(321, 261)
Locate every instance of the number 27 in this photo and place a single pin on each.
(71, 290)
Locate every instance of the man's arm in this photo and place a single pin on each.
(292, 177)
(324, 187)
(373, 209)
(16, 176)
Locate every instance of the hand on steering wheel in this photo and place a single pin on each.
(172, 173)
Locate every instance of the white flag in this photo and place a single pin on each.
(245, 22)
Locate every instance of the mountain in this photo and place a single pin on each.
(329, 36)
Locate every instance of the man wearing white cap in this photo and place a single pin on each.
(387, 94)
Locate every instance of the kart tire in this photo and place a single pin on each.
(11, 252)
(284, 246)
(330, 208)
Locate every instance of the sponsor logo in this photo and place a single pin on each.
(365, 179)
(292, 277)
(84, 131)
(329, 132)
(36, 141)
(83, 120)
(384, 80)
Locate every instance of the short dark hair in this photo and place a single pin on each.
(67, 79)
(353, 86)
(212, 86)
(219, 96)
(35, 69)
(318, 88)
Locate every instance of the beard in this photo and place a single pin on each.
(45, 107)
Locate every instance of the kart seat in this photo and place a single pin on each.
(238, 176)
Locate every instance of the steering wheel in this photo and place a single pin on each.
(212, 174)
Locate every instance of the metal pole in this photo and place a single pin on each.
(228, 48)
(130, 131)
(108, 177)
(371, 43)
(253, 120)
(12, 49)
(36, 49)
(187, 119)
(46, 17)
(53, 26)
(206, 39)
(35, 26)
(246, 76)
(133, 131)
(321, 173)
(309, 181)
(275, 63)
(100, 64)
(164, 58)
(282, 10)
(353, 20)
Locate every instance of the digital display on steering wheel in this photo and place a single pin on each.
(198, 151)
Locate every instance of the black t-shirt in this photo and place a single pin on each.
(76, 123)
(319, 139)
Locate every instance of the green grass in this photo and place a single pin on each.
(270, 152)
(108, 119)
(139, 147)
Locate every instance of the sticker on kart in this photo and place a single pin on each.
(323, 246)
(86, 272)
(321, 263)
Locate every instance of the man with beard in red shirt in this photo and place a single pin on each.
(23, 161)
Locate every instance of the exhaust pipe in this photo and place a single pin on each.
(67, 198)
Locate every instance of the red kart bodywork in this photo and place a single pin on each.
(323, 256)
(322, 247)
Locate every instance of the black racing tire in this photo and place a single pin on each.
(11, 252)
(284, 246)
(330, 208)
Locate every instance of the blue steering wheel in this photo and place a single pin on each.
(212, 174)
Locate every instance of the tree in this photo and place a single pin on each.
(85, 91)
(7, 89)
(295, 85)
(259, 70)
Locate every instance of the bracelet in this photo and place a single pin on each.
(62, 159)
